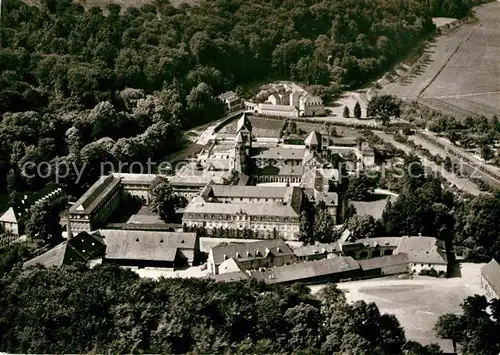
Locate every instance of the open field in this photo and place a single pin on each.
(261, 127)
(417, 303)
(349, 99)
(461, 77)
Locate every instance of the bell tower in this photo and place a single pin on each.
(242, 144)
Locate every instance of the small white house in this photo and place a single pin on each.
(8, 221)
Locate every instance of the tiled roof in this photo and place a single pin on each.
(137, 179)
(307, 270)
(383, 261)
(296, 171)
(53, 257)
(198, 205)
(9, 216)
(248, 191)
(279, 153)
(317, 249)
(188, 176)
(312, 139)
(145, 245)
(82, 247)
(227, 95)
(49, 192)
(491, 272)
(271, 107)
(343, 141)
(380, 241)
(94, 195)
(244, 123)
(250, 251)
(422, 250)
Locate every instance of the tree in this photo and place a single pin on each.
(414, 348)
(486, 152)
(306, 231)
(73, 140)
(43, 225)
(325, 230)
(202, 105)
(477, 233)
(357, 110)
(383, 107)
(349, 212)
(362, 226)
(163, 201)
(360, 188)
(474, 329)
(346, 113)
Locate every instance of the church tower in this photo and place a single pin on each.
(242, 144)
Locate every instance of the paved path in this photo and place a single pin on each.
(461, 183)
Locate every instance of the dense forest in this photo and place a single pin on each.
(109, 84)
(112, 310)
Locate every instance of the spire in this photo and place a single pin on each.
(244, 123)
(312, 139)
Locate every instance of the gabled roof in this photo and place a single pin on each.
(227, 95)
(250, 251)
(422, 250)
(383, 261)
(244, 123)
(312, 139)
(48, 193)
(307, 270)
(229, 266)
(279, 153)
(317, 249)
(95, 194)
(491, 272)
(248, 191)
(9, 216)
(81, 248)
(239, 138)
(145, 245)
(271, 107)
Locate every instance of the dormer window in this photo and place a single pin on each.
(225, 257)
(238, 255)
(278, 249)
(161, 241)
(137, 240)
(248, 254)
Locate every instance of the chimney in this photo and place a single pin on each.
(419, 234)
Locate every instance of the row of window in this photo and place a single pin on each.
(241, 218)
